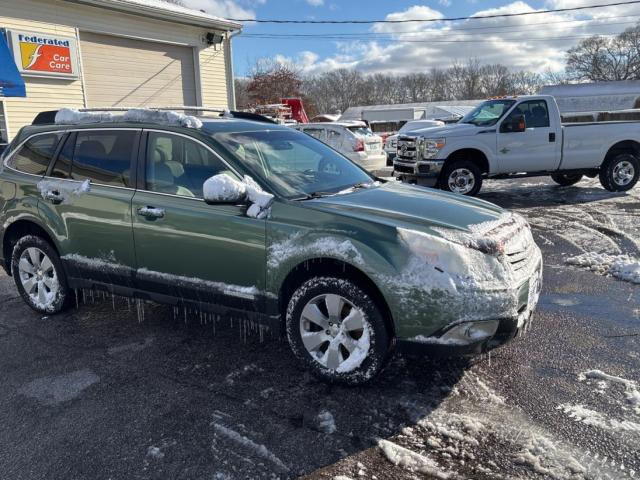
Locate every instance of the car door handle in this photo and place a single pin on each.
(552, 137)
(151, 212)
(53, 196)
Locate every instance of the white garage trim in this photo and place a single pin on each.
(4, 124)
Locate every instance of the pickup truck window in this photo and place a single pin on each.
(488, 113)
(535, 113)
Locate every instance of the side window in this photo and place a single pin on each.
(62, 167)
(36, 154)
(104, 157)
(179, 166)
(535, 113)
(318, 133)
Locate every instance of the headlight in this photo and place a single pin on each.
(430, 147)
(457, 260)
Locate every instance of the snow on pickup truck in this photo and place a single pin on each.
(520, 136)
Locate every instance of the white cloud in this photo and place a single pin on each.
(531, 42)
(444, 3)
(315, 3)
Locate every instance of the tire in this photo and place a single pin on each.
(566, 180)
(461, 176)
(310, 312)
(39, 275)
(620, 173)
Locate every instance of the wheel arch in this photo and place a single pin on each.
(472, 154)
(623, 146)
(18, 229)
(327, 266)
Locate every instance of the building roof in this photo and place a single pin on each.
(355, 113)
(593, 89)
(162, 10)
(592, 97)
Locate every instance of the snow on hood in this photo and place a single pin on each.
(70, 116)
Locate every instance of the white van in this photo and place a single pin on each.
(354, 140)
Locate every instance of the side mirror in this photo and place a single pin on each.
(514, 125)
(223, 188)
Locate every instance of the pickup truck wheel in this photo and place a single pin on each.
(337, 331)
(566, 180)
(462, 177)
(39, 275)
(620, 173)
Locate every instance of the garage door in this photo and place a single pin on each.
(121, 72)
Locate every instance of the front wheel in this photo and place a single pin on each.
(337, 331)
(566, 180)
(620, 173)
(461, 176)
(39, 276)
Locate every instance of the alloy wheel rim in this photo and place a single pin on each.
(334, 331)
(38, 277)
(623, 173)
(461, 180)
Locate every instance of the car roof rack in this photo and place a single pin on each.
(49, 117)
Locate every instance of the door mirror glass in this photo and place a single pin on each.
(223, 188)
(515, 123)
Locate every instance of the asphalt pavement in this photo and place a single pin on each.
(102, 392)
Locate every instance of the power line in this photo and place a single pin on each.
(494, 29)
(450, 19)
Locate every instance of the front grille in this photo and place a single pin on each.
(407, 150)
(519, 251)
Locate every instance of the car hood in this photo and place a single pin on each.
(452, 130)
(409, 206)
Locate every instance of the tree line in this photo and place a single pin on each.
(597, 58)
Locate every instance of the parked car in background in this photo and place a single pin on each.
(263, 224)
(354, 140)
(391, 142)
(514, 137)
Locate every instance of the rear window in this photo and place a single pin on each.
(104, 157)
(35, 154)
(362, 131)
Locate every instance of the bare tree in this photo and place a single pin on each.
(601, 59)
(270, 81)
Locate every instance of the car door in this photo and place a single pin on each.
(534, 150)
(86, 198)
(186, 248)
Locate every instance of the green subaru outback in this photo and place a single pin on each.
(258, 221)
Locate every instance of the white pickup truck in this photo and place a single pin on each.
(515, 137)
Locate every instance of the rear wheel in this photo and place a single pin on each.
(463, 177)
(337, 331)
(620, 173)
(39, 276)
(566, 180)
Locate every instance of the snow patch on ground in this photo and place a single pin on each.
(58, 389)
(70, 116)
(411, 461)
(245, 442)
(596, 419)
(65, 190)
(326, 422)
(623, 267)
(155, 453)
(631, 391)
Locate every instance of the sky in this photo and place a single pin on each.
(536, 42)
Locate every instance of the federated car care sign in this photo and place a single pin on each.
(44, 55)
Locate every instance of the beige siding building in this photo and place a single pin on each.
(114, 53)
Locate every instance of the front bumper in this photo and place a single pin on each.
(423, 172)
(439, 345)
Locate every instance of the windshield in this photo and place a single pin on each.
(293, 163)
(488, 113)
(362, 131)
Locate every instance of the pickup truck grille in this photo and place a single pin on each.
(407, 149)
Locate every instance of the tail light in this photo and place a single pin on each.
(359, 146)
